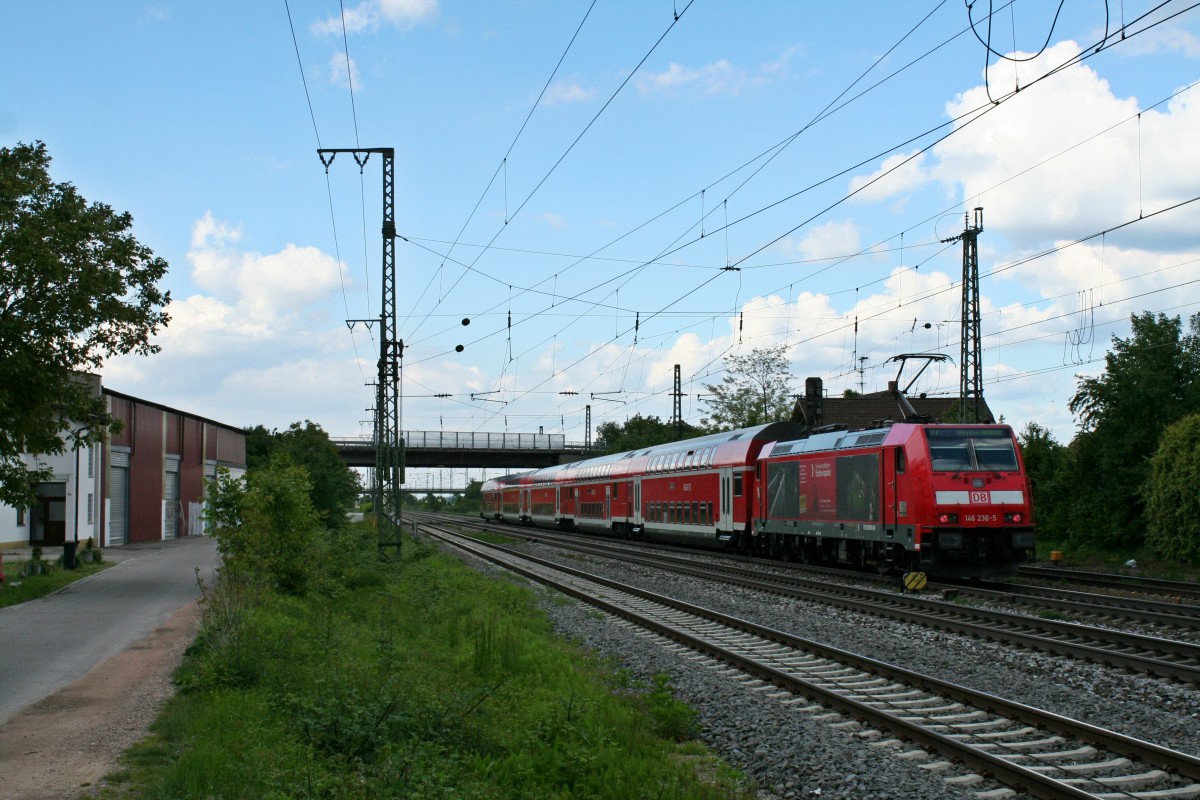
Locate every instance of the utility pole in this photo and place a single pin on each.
(678, 406)
(971, 349)
(389, 446)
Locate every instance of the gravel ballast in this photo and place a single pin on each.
(793, 754)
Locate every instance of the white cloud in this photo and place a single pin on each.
(898, 174)
(1160, 39)
(555, 221)
(1053, 126)
(1103, 163)
(255, 344)
(719, 77)
(829, 241)
(273, 284)
(340, 75)
(566, 92)
(371, 15)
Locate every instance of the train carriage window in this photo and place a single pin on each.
(737, 484)
(687, 515)
(696, 512)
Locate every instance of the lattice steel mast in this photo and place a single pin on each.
(971, 350)
(389, 446)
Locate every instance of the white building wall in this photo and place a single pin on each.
(82, 486)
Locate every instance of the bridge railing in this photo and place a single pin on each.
(457, 440)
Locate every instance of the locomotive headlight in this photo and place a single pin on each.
(1017, 517)
(950, 541)
(1023, 540)
(947, 519)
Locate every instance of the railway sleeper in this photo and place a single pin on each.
(1082, 769)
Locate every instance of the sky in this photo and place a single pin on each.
(604, 190)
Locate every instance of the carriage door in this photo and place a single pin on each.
(608, 487)
(725, 513)
(526, 505)
(899, 515)
(636, 512)
(557, 503)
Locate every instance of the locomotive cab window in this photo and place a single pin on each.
(972, 449)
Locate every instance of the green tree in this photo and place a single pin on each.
(1150, 381)
(638, 432)
(265, 525)
(467, 502)
(259, 442)
(334, 486)
(1172, 502)
(756, 390)
(1047, 464)
(76, 288)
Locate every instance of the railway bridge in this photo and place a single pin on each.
(473, 449)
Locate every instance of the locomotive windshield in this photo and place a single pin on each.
(972, 449)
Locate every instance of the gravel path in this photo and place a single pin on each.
(63, 746)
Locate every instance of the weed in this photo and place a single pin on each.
(415, 678)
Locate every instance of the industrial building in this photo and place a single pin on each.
(144, 484)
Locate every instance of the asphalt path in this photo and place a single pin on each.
(48, 643)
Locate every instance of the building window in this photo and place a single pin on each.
(21, 517)
(91, 461)
(89, 504)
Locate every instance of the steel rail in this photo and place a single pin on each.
(1012, 774)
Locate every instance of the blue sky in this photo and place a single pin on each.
(746, 175)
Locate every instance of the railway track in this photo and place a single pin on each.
(1159, 657)
(1023, 748)
(1182, 590)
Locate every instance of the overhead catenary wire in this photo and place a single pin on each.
(328, 188)
(707, 233)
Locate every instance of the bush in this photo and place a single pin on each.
(1172, 503)
(265, 525)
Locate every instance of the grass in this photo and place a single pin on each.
(1089, 558)
(423, 679)
(20, 589)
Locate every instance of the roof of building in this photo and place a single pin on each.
(869, 410)
(169, 409)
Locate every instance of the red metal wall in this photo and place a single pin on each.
(151, 433)
(145, 474)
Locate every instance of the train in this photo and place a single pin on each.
(949, 500)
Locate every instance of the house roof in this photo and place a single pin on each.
(869, 410)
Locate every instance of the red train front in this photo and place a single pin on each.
(949, 500)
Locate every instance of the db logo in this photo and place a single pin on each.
(980, 497)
